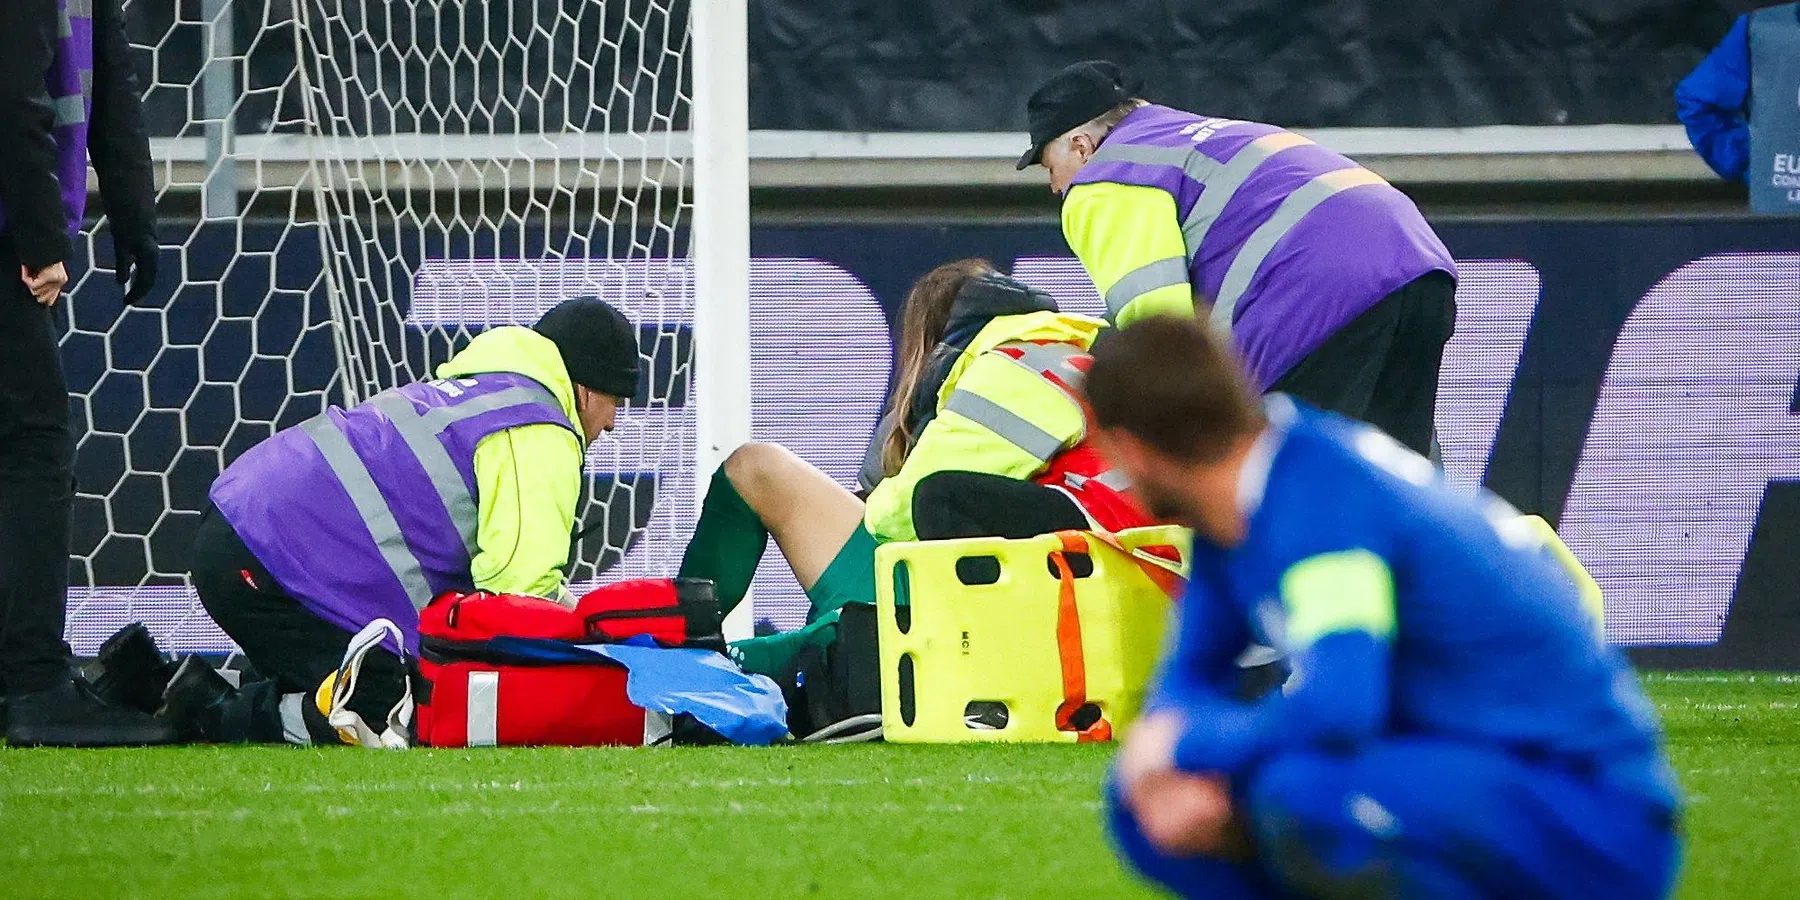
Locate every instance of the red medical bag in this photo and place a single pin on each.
(503, 669)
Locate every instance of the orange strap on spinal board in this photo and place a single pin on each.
(1068, 645)
(1163, 572)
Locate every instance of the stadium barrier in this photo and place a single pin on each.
(1632, 382)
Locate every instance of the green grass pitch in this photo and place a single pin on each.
(861, 821)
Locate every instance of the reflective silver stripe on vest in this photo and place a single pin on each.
(1040, 444)
(1262, 241)
(439, 418)
(1115, 479)
(1144, 279)
(435, 458)
(1194, 164)
(79, 9)
(1111, 478)
(1054, 357)
(373, 507)
(72, 10)
(420, 431)
(1224, 186)
(1219, 181)
(69, 110)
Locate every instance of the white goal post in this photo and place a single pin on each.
(721, 127)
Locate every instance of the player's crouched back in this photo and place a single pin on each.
(1452, 726)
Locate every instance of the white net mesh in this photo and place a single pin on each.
(354, 188)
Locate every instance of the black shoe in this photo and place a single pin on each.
(129, 670)
(195, 700)
(69, 715)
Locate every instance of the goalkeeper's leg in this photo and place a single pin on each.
(764, 490)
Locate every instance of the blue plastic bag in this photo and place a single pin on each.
(742, 708)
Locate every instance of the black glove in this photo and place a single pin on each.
(134, 258)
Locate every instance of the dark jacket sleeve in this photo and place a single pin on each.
(29, 190)
(117, 144)
(1712, 102)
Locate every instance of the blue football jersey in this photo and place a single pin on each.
(1406, 607)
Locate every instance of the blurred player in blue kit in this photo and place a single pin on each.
(1452, 727)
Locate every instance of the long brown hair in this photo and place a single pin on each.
(922, 322)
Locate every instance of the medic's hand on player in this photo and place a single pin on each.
(1179, 813)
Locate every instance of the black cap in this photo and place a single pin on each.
(598, 344)
(1070, 98)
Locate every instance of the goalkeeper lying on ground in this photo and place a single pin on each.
(469, 482)
(991, 440)
(1452, 727)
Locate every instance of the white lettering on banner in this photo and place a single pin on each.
(1495, 302)
(1692, 421)
(1692, 424)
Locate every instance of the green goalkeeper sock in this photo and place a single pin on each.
(728, 543)
(772, 654)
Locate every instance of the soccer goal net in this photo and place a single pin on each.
(355, 189)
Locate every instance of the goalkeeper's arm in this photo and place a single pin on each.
(528, 481)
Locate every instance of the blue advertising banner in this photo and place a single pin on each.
(1633, 382)
(1774, 173)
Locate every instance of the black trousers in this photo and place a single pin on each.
(292, 650)
(1382, 368)
(972, 504)
(37, 488)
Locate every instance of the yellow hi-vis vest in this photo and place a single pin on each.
(996, 414)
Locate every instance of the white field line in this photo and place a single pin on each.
(1715, 706)
(1761, 771)
(435, 787)
(558, 808)
(1744, 678)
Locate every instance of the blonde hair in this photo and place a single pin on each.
(922, 322)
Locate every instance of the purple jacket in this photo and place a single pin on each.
(1290, 241)
(371, 512)
(70, 85)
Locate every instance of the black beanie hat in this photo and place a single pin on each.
(1071, 98)
(598, 344)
